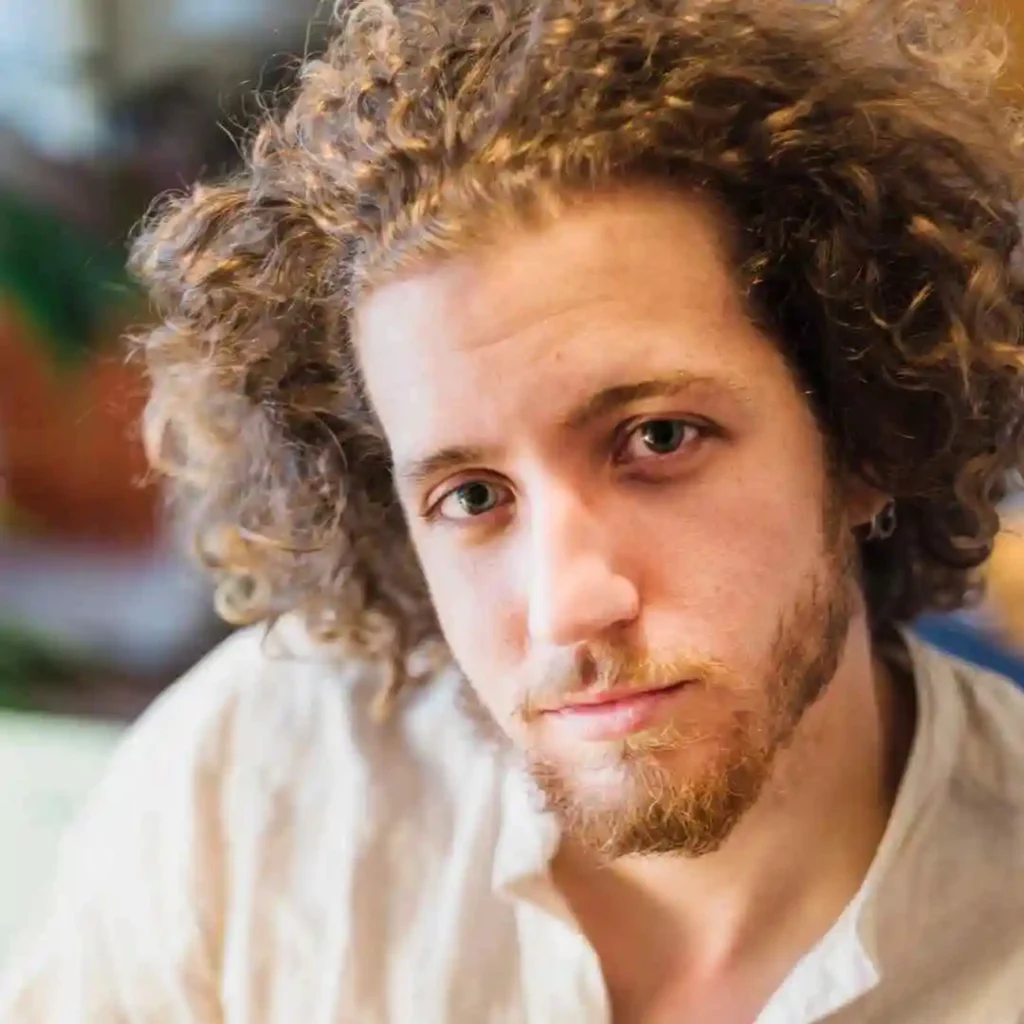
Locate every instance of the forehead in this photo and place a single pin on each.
(620, 288)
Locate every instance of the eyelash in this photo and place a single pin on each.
(703, 429)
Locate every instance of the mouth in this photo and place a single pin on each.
(615, 714)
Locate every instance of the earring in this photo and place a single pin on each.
(883, 526)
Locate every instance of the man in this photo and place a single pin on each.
(654, 364)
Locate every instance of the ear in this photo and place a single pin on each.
(862, 502)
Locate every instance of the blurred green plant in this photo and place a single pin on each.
(64, 281)
(27, 661)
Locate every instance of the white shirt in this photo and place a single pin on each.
(261, 852)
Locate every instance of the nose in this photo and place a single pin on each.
(576, 591)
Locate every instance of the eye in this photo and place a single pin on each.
(471, 500)
(657, 438)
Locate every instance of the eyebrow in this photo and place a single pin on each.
(417, 471)
(609, 399)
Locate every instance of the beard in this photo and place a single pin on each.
(683, 789)
(635, 797)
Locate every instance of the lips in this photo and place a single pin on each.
(614, 714)
(605, 699)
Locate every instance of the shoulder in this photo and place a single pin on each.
(973, 799)
(983, 718)
(945, 917)
(270, 711)
(257, 782)
(269, 730)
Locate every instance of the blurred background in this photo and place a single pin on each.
(104, 105)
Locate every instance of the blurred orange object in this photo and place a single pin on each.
(71, 457)
(1004, 576)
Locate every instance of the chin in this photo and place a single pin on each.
(605, 778)
(619, 803)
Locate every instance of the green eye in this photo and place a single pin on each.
(476, 498)
(470, 500)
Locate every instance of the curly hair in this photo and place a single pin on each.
(860, 148)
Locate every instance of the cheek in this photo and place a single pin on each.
(472, 592)
(723, 567)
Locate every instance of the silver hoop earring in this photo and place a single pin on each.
(883, 526)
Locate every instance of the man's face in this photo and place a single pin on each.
(619, 498)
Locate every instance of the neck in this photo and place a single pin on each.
(788, 870)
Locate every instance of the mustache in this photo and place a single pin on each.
(599, 670)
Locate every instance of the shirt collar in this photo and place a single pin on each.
(527, 840)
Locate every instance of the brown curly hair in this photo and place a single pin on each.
(859, 148)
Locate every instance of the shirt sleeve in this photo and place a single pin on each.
(132, 933)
